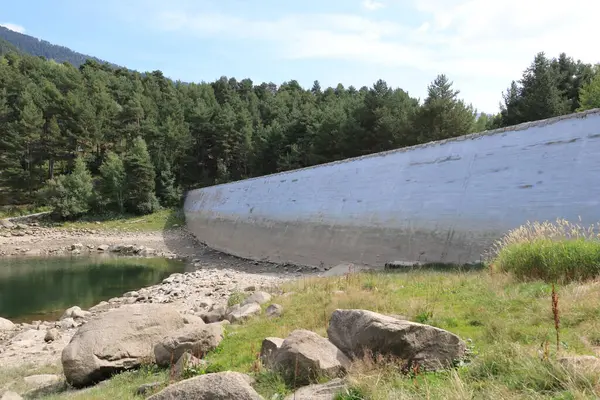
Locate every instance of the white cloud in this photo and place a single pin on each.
(484, 41)
(13, 27)
(372, 5)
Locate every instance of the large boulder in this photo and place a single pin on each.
(194, 339)
(305, 356)
(219, 386)
(6, 325)
(357, 332)
(268, 350)
(120, 339)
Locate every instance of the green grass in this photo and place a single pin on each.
(506, 322)
(12, 378)
(20, 210)
(158, 221)
(122, 386)
(553, 261)
(558, 251)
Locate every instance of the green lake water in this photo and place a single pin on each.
(35, 288)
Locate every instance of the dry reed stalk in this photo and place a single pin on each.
(556, 315)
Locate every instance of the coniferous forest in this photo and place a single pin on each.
(102, 139)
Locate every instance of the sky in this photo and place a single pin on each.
(481, 45)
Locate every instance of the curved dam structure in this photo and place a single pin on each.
(442, 201)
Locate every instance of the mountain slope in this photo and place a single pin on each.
(36, 47)
(6, 47)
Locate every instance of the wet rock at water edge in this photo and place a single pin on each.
(6, 325)
(75, 312)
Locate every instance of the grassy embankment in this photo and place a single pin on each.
(505, 313)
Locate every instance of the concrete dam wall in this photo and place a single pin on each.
(442, 201)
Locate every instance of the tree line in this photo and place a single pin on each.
(108, 139)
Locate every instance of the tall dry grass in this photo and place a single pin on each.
(559, 251)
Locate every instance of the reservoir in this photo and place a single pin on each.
(38, 288)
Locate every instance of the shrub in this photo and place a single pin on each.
(70, 195)
(554, 252)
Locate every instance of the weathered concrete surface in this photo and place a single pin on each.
(438, 202)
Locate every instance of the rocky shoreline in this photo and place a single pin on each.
(211, 278)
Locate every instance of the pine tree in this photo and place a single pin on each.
(541, 96)
(443, 115)
(112, 183)
(140, 184)
(167, 191)
(589, 97)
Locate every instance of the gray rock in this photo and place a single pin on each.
(75, 312)
(118, 340)
(103, 247)
(215, 314)
(305, 356)
(195, 339)
(191, 319)
(6, 325)
(257, 297)
(268, 350)
(274, 311)
(52, 334)
(5, 223)
(11, 396)
(325, 391)
(354, 331)
(102, 306)
(68, 323)
(219, 386)
(77, 246)
(244, 312)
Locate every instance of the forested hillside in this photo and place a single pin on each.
(143, 139)
(37, 47)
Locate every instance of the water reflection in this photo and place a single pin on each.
(42, 288)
